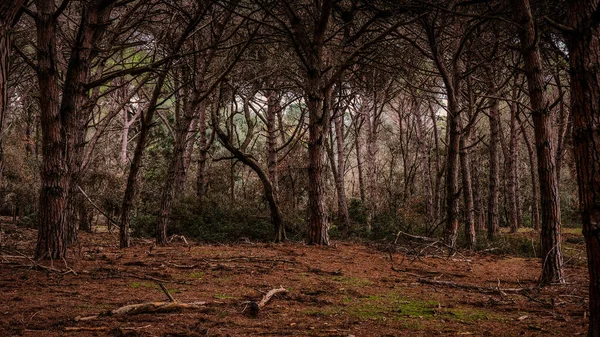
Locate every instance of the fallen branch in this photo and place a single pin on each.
(85, 328)
(415, 237)
(166, 291)
(474, 287)
(144, 308)
(101, 328)
(255, 307)
(98, 208)
(178, 237)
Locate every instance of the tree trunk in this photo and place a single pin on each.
(54, 173)
(136, 163)
(535, 200)
(467, 190)
(175, 175)
(270, 194)
(8, 11)
(511, 169)
(371, 147)
(493, 221)
(451, 230)
(273, 109)
(551, 251)
(359, 161)
(202, 153)
(4, 71)
(85, 215)
(318, 116)
(340, 185)
(424, 162)
(584, 52)
(477, 193)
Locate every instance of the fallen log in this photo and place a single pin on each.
(147, 308)
(144, 308)
(255, 307)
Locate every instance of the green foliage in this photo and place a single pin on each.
(510, 244)
(212, 223)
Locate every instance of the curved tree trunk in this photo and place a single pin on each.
(270, 193)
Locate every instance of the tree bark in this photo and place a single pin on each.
(318, 115)
(584, 52)
(551, 251)
(54, 174)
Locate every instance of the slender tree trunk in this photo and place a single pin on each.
(273, 108)
(477, 195)
(467, 190)
(359, 162)
(202, 153)
(551, 251)
(341, 181)
(511, 170)
(584, 52)
(493, 221)
(175, 177)
(136, 163)
(424, 163)
(451, 230)
(371, 178)
(439, 170)
(535, 199)
(124, 138)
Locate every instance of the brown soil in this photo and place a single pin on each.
(346, 289)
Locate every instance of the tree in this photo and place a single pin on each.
(551, 251)
(583, 41)
(8, 12)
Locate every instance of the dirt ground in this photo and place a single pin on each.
(346, 289)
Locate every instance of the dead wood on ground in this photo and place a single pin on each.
(255, 307)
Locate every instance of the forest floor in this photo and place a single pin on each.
(346, 289)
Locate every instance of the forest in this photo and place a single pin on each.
(300, 167)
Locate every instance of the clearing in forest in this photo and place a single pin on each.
(347, 289)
